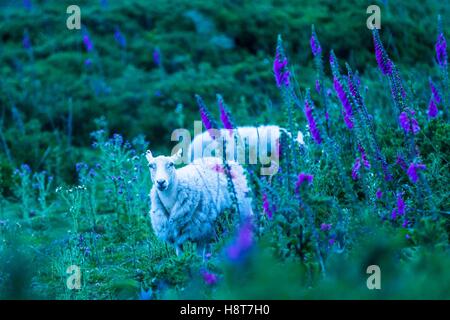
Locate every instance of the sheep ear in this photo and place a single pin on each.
(176, 158)
(149, 156)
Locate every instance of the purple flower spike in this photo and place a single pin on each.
(267, 208)
(310, 118)
(156, 57)
(242, 244)
(413, 171)
(432, 109)
(225, 116)
(441, 50)
(207, 120)
(209, 277)
(435, 92)
(88, 43)
(384, 63)
(355, 169)
(325, 227)
(120, 38)
(347, 107)
(280, 71)
(408, 122)
(379, 194)
(303, 178)
(314, 42)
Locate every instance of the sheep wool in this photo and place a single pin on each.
(186, 206)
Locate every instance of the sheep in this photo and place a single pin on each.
(186, 202)
(259, 140)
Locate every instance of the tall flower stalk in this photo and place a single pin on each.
(442, 61)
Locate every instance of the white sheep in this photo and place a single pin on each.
(186, 202)
(258, 144)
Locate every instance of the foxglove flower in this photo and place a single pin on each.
(347, 108)
(400, 209)
(209, 277)
(26, 42)
(401, 162)
(435, 92)
(242, 244)
(206, 117)
(441, 50)
(310, 118)
(280, 69)
(364, 159)
(408, 122)
(379, 194)
(413, 171)
(87, 43)
(120, 38)
(355, 169)
(156, 57)
(432, 109)
(318, 86)
(225, 115)
(267, 208)
(303, 178)
(314, 42)
(384, 63)
(325, 227)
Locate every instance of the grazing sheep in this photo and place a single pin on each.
(186, 202)
(262, 144)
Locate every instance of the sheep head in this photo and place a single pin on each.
(162, 169)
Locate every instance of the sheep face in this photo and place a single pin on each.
(162, 170)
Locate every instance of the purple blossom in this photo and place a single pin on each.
(435, 92)
(87, 43)
(413, 171)
(209, 277)
(314, 42)
(400, 209)
(88, 62)
(355, 169)
(405, 223)
(318, 87)
(120, 38)
(401, 162)
(325, 227)
(311, 122)
(384, 63)
(441, 50)
(432, 109)
(280, 70)
(364, 159)
(347, 112)
(26, 42)
(224, 115)
(156, 57)
(408, 122)
(242, 244)
(379, 194)
(207, 120)
(303, 178)
(268, 210)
